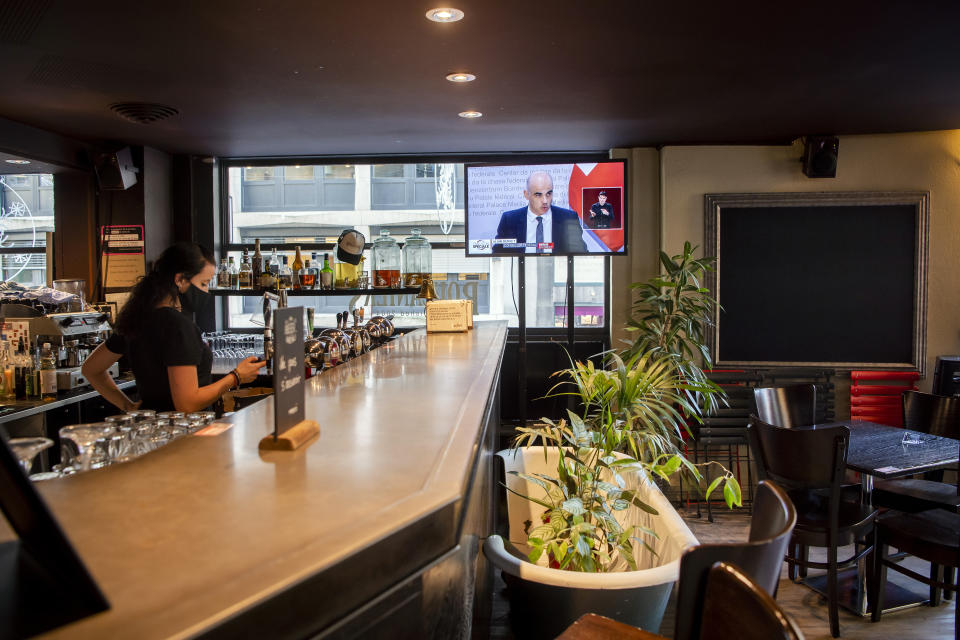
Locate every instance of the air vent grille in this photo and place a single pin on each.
(143, 112)
(19, 19)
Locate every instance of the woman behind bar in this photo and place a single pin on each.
(170, 361)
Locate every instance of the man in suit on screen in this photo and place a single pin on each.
(541, 222)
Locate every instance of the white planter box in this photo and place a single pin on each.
(545, 601)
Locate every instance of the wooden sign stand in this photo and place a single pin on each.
(293, 438)
(291, 429)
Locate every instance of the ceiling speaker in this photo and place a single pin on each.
(820, 156)
(116, 171)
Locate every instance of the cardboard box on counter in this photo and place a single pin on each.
(449, 315)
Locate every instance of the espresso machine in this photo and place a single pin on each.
(72, 335)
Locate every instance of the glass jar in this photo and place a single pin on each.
(386, 261)
(417, 260)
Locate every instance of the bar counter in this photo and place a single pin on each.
(374, 523)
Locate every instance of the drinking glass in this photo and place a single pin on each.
(26, 449)
(85, 437)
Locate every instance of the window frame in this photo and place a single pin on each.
(223, 213)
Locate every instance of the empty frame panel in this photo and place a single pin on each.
(819, 279)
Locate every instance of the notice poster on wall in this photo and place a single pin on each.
(121, 255)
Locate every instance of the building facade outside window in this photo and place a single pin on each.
(396, 198)
(26, 215)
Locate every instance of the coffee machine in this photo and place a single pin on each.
(72, 336)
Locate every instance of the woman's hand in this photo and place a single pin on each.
(130, 405)
(248, 368)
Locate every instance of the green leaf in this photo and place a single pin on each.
(535, 554)
(731, 493)
(713, 485)
(543, 532)
(573, 506)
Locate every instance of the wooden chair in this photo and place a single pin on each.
(936, 415)
(760, 558)
(735, 606)
(931, 535)
(791, 406)
(810, 463)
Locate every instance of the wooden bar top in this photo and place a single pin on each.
(190, 536)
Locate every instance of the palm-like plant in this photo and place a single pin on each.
(670, 317)
(633, 421)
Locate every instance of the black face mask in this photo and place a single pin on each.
(194, 299)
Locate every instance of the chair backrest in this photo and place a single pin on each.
(738, 608)
(761, 557)
(792, 406)
(808, 458)
(939, 415)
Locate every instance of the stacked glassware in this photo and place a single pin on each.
(117, 439)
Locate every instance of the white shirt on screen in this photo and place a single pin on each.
(532, 229)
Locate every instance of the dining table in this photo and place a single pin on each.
(886, 452)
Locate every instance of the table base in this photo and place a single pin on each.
(895, 597)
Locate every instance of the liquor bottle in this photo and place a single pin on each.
(223, 275)
(284, 275)
(256, 264)
(295, 268)
(20, 371)
(48, 372)
(245, 275)
(234, 274)
(6, 371)
(268, 279)
(33, 382)
(326, 274)
(308, 277)
(29, 378)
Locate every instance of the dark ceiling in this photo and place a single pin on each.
(327, 77)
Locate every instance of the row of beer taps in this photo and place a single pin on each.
(345, 342)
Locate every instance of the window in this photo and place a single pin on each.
(298, 173)
(258, 174)
(491, 282)
(388, 171)
(341, 171)
(26, 214)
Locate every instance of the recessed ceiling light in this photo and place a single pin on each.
(16, 161)
(444, 14)
(461, 77)
(469, 114)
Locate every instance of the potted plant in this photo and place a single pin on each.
(670, 316)
(589, 531)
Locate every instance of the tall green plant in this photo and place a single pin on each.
(646, 396)
(634, 408)
(670, 316)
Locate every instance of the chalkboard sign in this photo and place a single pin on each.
(288, 371)
(819, 279)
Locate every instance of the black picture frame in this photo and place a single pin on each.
(839, 228)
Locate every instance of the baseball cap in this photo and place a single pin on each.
(350, 246)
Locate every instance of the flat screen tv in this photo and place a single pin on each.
(572, 209)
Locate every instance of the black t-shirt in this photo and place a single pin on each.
(170, 339)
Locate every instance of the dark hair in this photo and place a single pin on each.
(159, 284)
(602, 193)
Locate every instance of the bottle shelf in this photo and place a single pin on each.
(255, 293)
